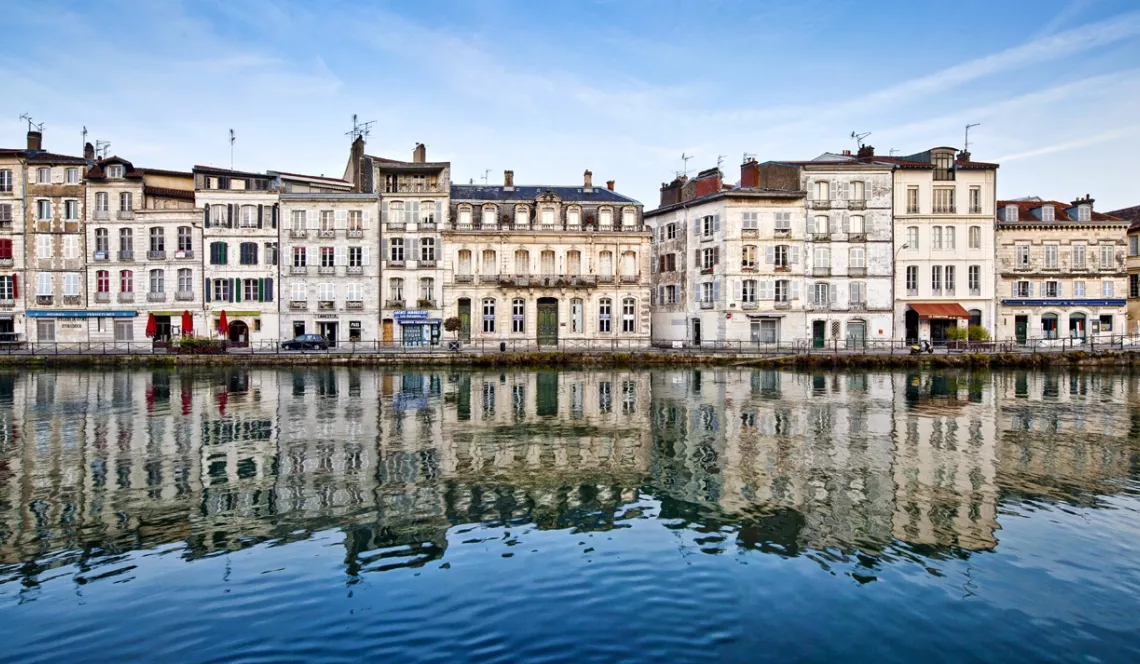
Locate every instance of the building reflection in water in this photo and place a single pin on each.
(96, 464)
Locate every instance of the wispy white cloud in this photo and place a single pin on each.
(1089, 141)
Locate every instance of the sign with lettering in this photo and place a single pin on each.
(410, 315)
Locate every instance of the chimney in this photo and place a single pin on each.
(89, 152)
(35, 140)
(750, 174)
(866, 153)
(963, 156)
(508, 180)
(671, 192)
(356, 165)
(610, 185)
(419, 155)
(708, 182)
(1087, 200)
(588, 187)
(846, 153)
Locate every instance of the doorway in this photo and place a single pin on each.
(696, 331)
(412, 334)
(910, 320)
(298, 328)
(1077, 327)
(386, 330)
(464, 319)
(328, 331)
(162, 329)
(856, 334)
(547, 321)
(239, 333)
(818, 333)
(938, 329)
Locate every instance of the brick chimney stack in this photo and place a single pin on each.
(508, 180)
(1087, 200)
(588, 177)
(89, 152)
(866, 153)
(610, 185)
(35, 140)
(750, 174)
(671, 191)
(419, 155)
(708, 182)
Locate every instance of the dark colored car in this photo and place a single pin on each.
(306, 342)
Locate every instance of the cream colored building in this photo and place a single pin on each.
(144, 240)
(330, 239)
(240, 217)
(1132, 264)
(1061, 270)
(13, 178)
(547, 265)
(943, 242)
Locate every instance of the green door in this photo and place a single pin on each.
(818, 333)
(465, 319)
(1021, 328)
(547, 321)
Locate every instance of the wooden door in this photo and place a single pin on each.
(387, 331)
(464, 319)
(547, 322)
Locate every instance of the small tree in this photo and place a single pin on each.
(453, 324)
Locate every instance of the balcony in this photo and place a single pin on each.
(355, 232)
(821, 237)
(298, 305)
(464, 278)
(393, 304)
(326, 269)
(707, 304)
(184, 254)
(126, 255)
(326, 305)
(783, 268)
(582, 280)
(426, 263)
(975, 209)
(857, 306)
(6, 262)
(7, 304)
(425, 304)
(782, 304)
(397, 226)
(184, 295)
(126, 297)
(99, 256)
(44, 300)
(944, 209)
(857, 205)
(156, 297)
(748, 306)
(975, 292)
(783, 232)
(102, 297)
(125, 215)
(297, 233)
(912, 209)
(326, 232)
(856, 271)
(488, 278)
(156, 255)
(820, 204)
(1022, 267)
(630, 278)
(72, 299)
(821, 271)
(100, 215)
(748, 268)
(355, 269)
(605, 278)
(912, 292)
(427, 225)
(749, 232)
(354, 304)
(857, 237)
(394, 264)
(298, 269)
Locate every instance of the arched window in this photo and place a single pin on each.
(629, 315)
(157, 240)
(548, 218)
(912, 238)
(464, 217)
(185, 284)
(820, 226)
(606, 264)
(490, 266)
(488, 315)
(1048, 324)
(396, 292)
(629, 264)
(605, 310)
(427, 292)
(126, 281)
(522, 217)
(856, 224)
(185, 240)
(465, 262)
(950, 239)
(628, 218)
(975, 237)
(427, 213)
(522, 262)
(606, 218)
(518, 316)
(546, 263)
(574, 217)
(101, 202)
(489, 221)
(249, 216)
(126, 243)
(573, 262)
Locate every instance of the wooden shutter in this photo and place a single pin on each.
(268, 289)
(738, 290)
(206, 208)
(716, 223)
(275, 215)
(15, 287)
(716, 291)
(384, 212)
(260, 215)
(366, 220)
(716, 255)
(364, 255)
(340, 256)
(340, 220)
(795, 255)
(208, 293)
(769, 255)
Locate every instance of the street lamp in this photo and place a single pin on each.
(894, 276)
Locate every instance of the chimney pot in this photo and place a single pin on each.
(419, 155)
(89, 152)
(846, 153)
(509, 180)
(588, 177)
(750, 174)
(866, 153)
(35, 140)
(610, 185)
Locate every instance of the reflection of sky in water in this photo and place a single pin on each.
(644, 514)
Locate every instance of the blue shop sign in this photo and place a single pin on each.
(81, 314)
(1057, 302)
(410, 315)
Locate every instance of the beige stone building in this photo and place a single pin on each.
(13, 178)
(547, 265)
(1132, 265)
(330, 238)
(1061, 271)
(144, 239)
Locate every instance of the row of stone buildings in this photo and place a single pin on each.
(845, 248)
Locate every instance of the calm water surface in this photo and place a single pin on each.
(714, 515)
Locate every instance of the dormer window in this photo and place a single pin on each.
(1047, 213)
(943, 164)
(1084, 212)
(115, 171)
(1011, 213)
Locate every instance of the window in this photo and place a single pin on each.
(126, 281)
(949, 275)
(353, 292)
(936, 279)
(749, 221)
(1084, 212)
(1051, 257)
(576, 315)
(43, 210)
(912, 238)
(427, 214)
(298, 292)
(71, 285)
(44, 246)
(857, 292)
(604, 310)
(328, 221)
(464, 218)
(1022, 289)
(489, 222)
(125, 201)
(5, 213)
(628, 315)
(628, 218)
(912, 200)
(102, 281)
(820, 225)
(396, 289)
(605, 218)
(857, 191)
(822, 190)
(1106, 323)
(488, 315)
(912, 280)
(298, 220)
(546, 262)
(670, 231)
(218, 215)
(1106, 287)
(157, 281)
(975, 200)
(708, 224)
(707, 256)
(747, 257)
(427, 249)
(1011, 213)
(490, 266)
(518, 316)
(356, 220)
(1078, 289)
(326, 292)
(974, 279)
(251, 290)
(327, 257)
(821, 294)
(783, 221)
(548, 219)
(856, 224)
(574, 262)
(300, 257)
(950, 239)
(185, 280)
(522, 262)
(858, 258)
(1022, 257)
(43, 175)
(45, 329)
(1052, 289)
(71, 210)
(1047, 213)
(936, 238)
(396, 250)
(70, 247)
(5, 182)
(44, 285)
(217, 253)
(223, 289)
(1134, 285)
(427, 289)
(1107, 255)
(748, 290)
(783, 291)
(780, 256)
(6, 249)
(975, 237)
(943, 201)
(1134, 245)
(115, 171)
(356, 257)
(822, 257)
(124, 330)
(184, 239)
(271, 253)
(157, 239)
(522, 216)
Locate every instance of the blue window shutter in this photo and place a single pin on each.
(260, 214)
(207, 289)
(207, 220)
(268, 289)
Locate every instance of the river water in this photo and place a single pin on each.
(593, 516)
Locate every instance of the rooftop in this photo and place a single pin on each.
(1029, 212)
(528, 193)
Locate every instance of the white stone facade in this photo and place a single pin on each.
(13, 326)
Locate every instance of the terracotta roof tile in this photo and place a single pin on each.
(1030, 212)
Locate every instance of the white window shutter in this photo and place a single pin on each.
(716, 291)
(769, 255)
(340, 220)
(795, 255)
(413, 249)
(1060, 289)
(1031, 289)
(795, 290)
(696, 292)
(383, 212)
(340, 256)
(716, 223)
(366, 219)
(697, 226)
(833, 293)
(311, 219)
(364, 255)
(738, 295)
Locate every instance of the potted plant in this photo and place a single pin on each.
(453, 325)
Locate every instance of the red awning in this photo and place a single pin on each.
(940, 310)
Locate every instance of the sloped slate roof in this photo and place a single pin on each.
(1029, 211)
(527, 193)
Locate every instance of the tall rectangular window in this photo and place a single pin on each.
(975, 237)
(518, 316)
(488, 315)
(936, 278)
(912, 200)
(1107, 256)
(974, 279)
(912, 280)
(975, 200)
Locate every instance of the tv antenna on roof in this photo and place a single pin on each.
(747, 156)
(685, 160)
(967, 148)
(32, 126)
(232, 139)
(859, 137)
(892, 152)
(102, 148)
(85, 139)
(719, 161)
(486, 174)
(360, 129)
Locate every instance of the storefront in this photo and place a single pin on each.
(239, 326)
(72, 326)
(933, 320)
(416, 329)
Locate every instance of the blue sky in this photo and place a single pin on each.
(549, 89)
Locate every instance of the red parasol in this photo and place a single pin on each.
(187, 324)
(151, 326)
(223, 323)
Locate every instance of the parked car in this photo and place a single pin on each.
(306, 342)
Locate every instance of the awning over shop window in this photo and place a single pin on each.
(940, 310)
